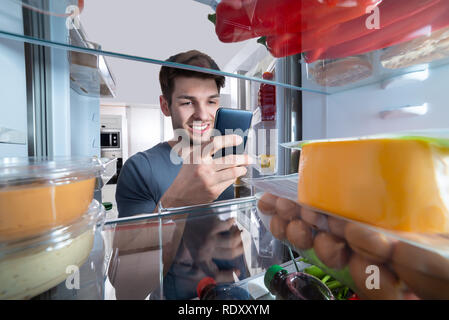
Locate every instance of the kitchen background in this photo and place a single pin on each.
(136, 105)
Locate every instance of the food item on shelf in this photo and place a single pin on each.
(26, 210)
(267, 204)
(433, 17)
(278, 227)
(299, 234)
(369, 244)
(287, 209)
(315, 219)
(336, 226)
(267, 98)
(295, 286)
(422, 50)
(409, 265)
(31, 266)
(425, 272)
(28, 275)
(319, 40)
(374, 281)
(340, 291)
(340, 72)
(331, 250)
(396, 184)
(208, 289)
(391, 11)
(238, 20)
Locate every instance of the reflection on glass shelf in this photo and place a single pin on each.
(334, 76)
(165, 256)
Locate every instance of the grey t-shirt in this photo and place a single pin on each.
(144, 179)
(142, 182)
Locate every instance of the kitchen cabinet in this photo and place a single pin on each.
(52, 113)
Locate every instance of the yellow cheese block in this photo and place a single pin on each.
(394, 184)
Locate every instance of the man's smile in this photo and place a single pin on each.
(199, 127)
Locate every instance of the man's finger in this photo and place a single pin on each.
(220, 142)
(232, 160)
(229, 174)
(222, 186)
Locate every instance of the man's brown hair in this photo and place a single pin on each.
(167, 75)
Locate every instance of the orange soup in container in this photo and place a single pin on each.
(38, 194)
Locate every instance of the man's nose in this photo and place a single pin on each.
(202, 112)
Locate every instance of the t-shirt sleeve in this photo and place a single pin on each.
(133, 193)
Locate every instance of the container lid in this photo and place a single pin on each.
(58, 236)
(203, 284)
(269, 275)
(31, 169)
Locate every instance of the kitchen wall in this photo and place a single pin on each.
(143, 126)
(119, 110)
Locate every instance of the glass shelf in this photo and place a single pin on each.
(72, 48)
(176, 248)
(246, 54)
(379, 75)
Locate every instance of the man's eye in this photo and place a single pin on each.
(213, 102)
(186, 103)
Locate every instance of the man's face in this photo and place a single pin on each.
(193, 107)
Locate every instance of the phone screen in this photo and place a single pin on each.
(233, 121)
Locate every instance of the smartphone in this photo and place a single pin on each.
(238, 122)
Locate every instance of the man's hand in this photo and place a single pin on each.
(209, 238)
(202, 178)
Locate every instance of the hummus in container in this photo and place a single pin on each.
(38, 194)
(31, 266)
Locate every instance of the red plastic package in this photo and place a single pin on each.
(390, 12)
(426, 21)
(239, 20)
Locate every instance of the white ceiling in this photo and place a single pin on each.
(154, 29)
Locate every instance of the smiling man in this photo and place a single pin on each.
(198, 247)
(191, 99)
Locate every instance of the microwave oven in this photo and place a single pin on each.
(110, 139)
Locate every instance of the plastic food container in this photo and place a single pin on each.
(340, 72)
(38, 194)
(33, 265)
(374, 262)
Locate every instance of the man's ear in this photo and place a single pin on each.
(164, 106)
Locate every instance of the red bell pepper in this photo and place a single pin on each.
(431, 19)
(391, 11)
(239, 20)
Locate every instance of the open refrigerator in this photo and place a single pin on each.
(328, 69)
